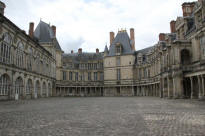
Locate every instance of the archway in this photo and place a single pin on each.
(185, 57)
(37, 92)
(44, 89)
(195, 87)
(5, 86)
(49, 90)
(29, 88)
(187, 87)
(18, 88)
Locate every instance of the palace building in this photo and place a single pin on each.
(34, 65)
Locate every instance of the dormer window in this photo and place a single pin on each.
(118, 49)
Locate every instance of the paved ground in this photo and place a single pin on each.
(103, 116)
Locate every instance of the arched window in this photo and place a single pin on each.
(19, 86)
(30, 59)
(29, 87)
(20, 55)
(44, 89)
(38, 67)
(5, 49)
(4, 85)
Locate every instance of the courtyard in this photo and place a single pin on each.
(102, 116)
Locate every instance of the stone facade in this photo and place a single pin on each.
(172, 68)
(27, 69)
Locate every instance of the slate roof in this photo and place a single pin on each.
(145, 50)
(82, 57)
(123, 38)
(106, 49)
(45, 34)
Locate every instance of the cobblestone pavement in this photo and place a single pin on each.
(103, 116)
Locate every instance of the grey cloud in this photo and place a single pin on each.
(71, 44)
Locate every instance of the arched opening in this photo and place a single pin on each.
(185, 57)
(49, 89)
(5, 86)
(44, 89)
(195, 87)
(19, 88)
(187, 87)
(29, 88)
(37, 92)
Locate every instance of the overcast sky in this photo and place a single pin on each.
(87, 23)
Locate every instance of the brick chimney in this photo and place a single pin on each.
(71, 51)
(54, 30)
(31, 29)
(172, 26)
(161, 37)
(112, 37)
(132, 38)
(80, 50)
(2, 7)
(97, 50)
(187, 8)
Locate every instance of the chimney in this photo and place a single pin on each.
(187, 8)
(172, 26)
(112, 37)
(31, 29)
(132, 38)
(71, 51)
(97, 50)
(161, 37)
(80, 50)
(2, 7)
(54, 30)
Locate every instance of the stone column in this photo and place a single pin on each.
(200, 87)
(203, 92)
(192, 88)
(174, 88)
(168, 88)
(133, 93)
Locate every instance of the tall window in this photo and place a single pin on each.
(64, 75)
(144, 58)
(89, 76)
(101, 76)
(82, 77)
(20, 55)
(118, 48)
(41, 66)
(95, 76)
(118, 61)
(118, 74)
(4, 85)
(76, 76)
(29, 87)
(38, 64)
(202, 45)
(140, 74)
(5, 49)
(70, 76)
(145, 73)
(30, 59)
